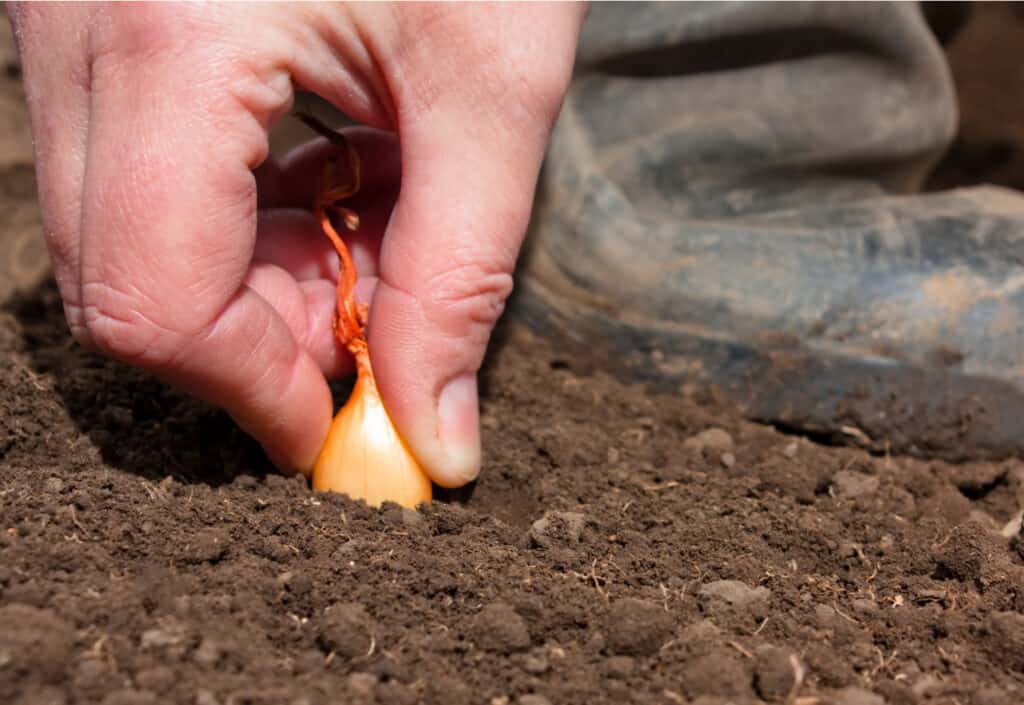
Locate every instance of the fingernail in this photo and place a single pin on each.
(458, 409)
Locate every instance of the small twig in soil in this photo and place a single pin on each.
(847, 617)
(739, 647)
(1013, 527)
(859, 550)
(856, 433)
(100, 651)
(695, 581)
(611, 562)
(950, 659)
(799, 673)
(944, 541)
(153, 492)
(658, 488)
(74, 520)
(883, 662)
(593, 578)
(674, 697)
(32, 376)
(635, 435)
(597, 580)
(758, 630)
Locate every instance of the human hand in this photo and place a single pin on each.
(149, 122)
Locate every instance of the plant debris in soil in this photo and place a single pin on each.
(620, 547)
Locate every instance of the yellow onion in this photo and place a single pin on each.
(365, 458)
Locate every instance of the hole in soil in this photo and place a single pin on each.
(976, 491)
(996, 496)
(831, 439)
(457, 495)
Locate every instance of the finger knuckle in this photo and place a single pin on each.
(131, 33)
(471, 298)
(116, 324)
(508, 79)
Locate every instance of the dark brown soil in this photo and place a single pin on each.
(619, 548)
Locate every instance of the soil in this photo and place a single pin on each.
(619, 547)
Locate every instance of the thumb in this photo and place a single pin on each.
(445, 272)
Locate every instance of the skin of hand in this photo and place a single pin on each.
(179, 247)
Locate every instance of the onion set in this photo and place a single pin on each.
(363, 456)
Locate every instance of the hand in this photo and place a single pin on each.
(149, 123)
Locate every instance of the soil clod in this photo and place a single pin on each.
(1005, 636)
(206, 546)
(857, 696)
(347, 630)
(499, 628)
(557, 529)
(776, 673)
(725, 599)
(854, 485)
(712, 443)
(720, 672)
(35, 645)
(637, 627)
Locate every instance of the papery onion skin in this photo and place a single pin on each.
(365, 458)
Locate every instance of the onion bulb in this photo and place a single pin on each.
(363, 456)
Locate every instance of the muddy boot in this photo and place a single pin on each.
(731, 201)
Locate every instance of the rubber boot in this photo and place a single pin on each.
(731, 200)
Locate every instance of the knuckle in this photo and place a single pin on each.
(507, 79)
(469, 299)
(115, 324)
(232, 79)
(132, 32)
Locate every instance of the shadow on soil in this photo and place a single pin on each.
(161, 432)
